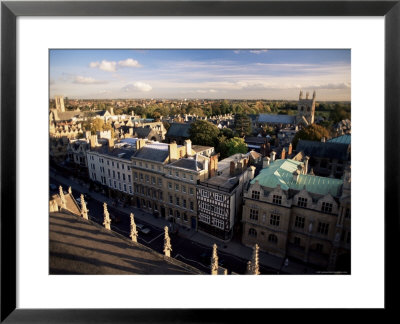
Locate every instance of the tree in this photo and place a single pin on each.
(203, 133)
(228, 147)
(242, 124)
(313, 132)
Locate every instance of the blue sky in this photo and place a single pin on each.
(213, 74)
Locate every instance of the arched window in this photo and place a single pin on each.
(308, 109)
(272, 238)
(252, 232)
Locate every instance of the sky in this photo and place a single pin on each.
(200, 74)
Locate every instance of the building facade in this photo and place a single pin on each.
(290, 213)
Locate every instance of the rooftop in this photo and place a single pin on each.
(78, 246)
(344, 139)
(178, 130)
(331, 150)
(280, 172)
(276, 119)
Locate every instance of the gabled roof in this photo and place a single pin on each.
(276, 119)
(178, 130)
(331, 150)
(280, 172)
(143, 132)
(151, 154)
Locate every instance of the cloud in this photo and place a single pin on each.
(258, 51)
(111, 66)
(331, 86)
(129, 63)
(137, 86)
(87, 80)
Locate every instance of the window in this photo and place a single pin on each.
(274, 220)
(218, 223)
(323, 228)
(115, 184)
(176, 187)
(159, 168)
(160, 182)
(252, 232)
(191, 191)
(108, 162)
(297, 241)
(135, 175)
(147, 178)
(119, 185)
(152, 166)
(326, 207)
(129, 177)
(319, 248)
(130, 189)
(123, 176)
(112, 163)
(109, 173)
(110, 183)
(170, 200)
(117, 165)
(161, 195)
(124, 187)
(254, 214)
(277, 200)
(191, 177)
(119, 176)
(184, 203)
(299, 222)
(255, 195)
(191, 205)
(302, 202)
(169, 185)
(129, 168)
(178, 214)
(185, 218)
(153, 180)
(184, 189)
(141, 177)
(272, 238)
(177, 174)
(123, 166)
(177, 201)
(147, 166)
(171, 213)
(184, 175)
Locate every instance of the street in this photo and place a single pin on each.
(183, 249)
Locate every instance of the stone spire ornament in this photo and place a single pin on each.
(248, 267)
(107, 220)
(167, 243)
(70, 190)
(84, 210)
(255, 267)
(134, 233)
(214, 261)
(63, 203)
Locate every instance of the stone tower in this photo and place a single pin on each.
(59, 103)
(306, 109)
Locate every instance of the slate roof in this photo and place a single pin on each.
(178, 130)
(331, 150)
(189, 164)
(142, 132)
(116, 152)
(280, 172)
(344, 139)
(151, 154)
(276, 119)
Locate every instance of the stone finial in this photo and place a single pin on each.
(70, 190)
(255, 267)
(63, 202)
(134, 233)
(84, 210)
(107, 220)
(167, 243)
(214, 261)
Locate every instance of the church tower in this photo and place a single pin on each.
(306, 109)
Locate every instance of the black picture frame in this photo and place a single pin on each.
(10, 10)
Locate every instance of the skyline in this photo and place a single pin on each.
(200, 74)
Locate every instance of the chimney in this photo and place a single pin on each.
(140, 142)
(173, 152)
(266, 162)
(296, 175)
(87, 135)
(283, 154)
(323, 139)
(252, 172)
(290, 149)
(112, 111)
(110, 143)
(273, 153)
(188, 147)
(306, 164)
(93, 141)
(232, 168)
(213, 165)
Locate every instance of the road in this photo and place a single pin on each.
(183, 249)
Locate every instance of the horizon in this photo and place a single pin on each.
(200, 74)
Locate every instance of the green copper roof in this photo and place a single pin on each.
(281, 172)
(344, 139)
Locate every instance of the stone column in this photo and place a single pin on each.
(214, 261)
(134, 234)
(167, 243)
(84, 210)
(107, 220)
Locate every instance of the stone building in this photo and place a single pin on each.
(177, 132)
(219, 197)
(290, 213)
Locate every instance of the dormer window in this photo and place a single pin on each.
(255, 195)
(302, 202)
(326, 207)
(277, 200)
